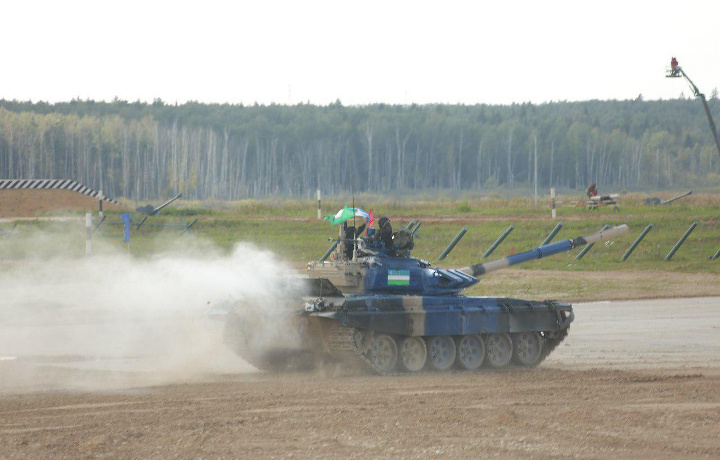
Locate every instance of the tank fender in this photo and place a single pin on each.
(564, 324)
(565, 313)
(326, 314)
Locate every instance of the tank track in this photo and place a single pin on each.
(261, 363)
(551, 343)
(279, 360)
(270, 360)
(341, 345)
(340, 342)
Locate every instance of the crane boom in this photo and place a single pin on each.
(679, 72)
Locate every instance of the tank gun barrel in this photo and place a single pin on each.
(544, 251)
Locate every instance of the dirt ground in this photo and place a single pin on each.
(544, 413)
(634, 379)
(34, 203)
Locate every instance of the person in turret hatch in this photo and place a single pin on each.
(386, 233)
(351, 233)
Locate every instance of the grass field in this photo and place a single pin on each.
(290, 229)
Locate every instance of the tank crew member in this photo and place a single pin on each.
(350, 235)
(386, 233)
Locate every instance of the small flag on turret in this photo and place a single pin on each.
(398, 277)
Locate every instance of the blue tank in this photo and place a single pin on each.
(384, 311)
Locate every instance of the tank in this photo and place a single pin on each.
(383, 311)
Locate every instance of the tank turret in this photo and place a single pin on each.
(373, 269)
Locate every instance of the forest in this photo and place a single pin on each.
(140, 151)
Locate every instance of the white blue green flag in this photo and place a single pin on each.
(398, 277)
(347, 213)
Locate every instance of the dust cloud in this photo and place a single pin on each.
(115, 321)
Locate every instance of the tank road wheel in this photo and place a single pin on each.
(499, 350)
(384, 353)
(527, 348)
(413, 354)
(442, 352)
(470, 352)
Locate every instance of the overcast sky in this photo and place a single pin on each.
(360, 52)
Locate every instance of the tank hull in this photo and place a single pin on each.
(352, 330)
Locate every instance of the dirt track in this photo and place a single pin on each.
(633, 380)
(33, 203)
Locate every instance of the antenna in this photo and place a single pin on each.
(354, 231)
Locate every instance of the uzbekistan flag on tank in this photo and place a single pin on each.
(347, 213)
(398, 277)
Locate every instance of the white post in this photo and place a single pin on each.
(535, 180)
(552, 196)
(88, 238)
(319, 207)
(100, 200)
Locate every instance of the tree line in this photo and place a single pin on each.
(145, 151)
